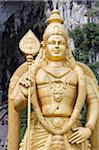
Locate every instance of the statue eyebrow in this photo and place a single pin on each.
(53, 41)
(62, 42)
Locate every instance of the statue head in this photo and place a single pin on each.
(55, 26)
(55, 37)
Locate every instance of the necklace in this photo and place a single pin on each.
(58, 87)
(55, 72)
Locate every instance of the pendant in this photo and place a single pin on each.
(57, 89)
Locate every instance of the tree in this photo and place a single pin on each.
(86, 40)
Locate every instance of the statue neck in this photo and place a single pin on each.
(56, 63)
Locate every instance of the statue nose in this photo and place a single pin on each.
(56, 45)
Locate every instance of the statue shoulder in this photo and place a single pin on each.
(19, 75)
(41, 76)
(88, 72)
(21, 70)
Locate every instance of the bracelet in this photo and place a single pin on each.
(73, 119)
(90, 127)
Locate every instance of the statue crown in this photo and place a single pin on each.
(55, 26)
(55, 17)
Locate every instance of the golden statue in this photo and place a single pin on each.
(58, 88)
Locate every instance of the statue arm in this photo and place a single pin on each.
(21, 92)
(20, 101)
(83, 133)
(81, 92)
(92, 102)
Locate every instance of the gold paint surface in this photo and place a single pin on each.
(59, 87)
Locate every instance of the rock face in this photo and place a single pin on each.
(74, 12)
(3, 125)
(16, 19)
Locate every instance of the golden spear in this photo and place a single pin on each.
(30, 46)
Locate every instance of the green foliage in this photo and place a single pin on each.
(83, 114)
(95, 69)
(23, 122)
(86, 40)
(24, 116)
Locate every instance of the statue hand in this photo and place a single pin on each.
(25, 83)
(80, 135)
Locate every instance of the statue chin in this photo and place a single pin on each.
(55, 57)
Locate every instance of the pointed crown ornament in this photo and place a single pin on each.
(55, 26)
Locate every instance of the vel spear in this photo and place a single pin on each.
(30, 46)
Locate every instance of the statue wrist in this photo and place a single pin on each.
(90, 127)
(24, 91)
(72, 120)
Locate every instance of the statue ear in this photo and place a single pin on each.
(67, 46)
(43, 44)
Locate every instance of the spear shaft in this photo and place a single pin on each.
(30, 46)
(29, 61)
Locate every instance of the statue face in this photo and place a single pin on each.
(56, 48)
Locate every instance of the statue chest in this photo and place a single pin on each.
(53, 88)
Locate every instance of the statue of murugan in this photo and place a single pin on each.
(59, 88)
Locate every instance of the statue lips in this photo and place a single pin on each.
(56, 51)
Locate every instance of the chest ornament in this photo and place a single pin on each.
(58, 84)
(57, 89)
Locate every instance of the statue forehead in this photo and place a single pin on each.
(56, 37)
(54, 28)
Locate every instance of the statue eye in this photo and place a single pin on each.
(51, 42)
(61, 42)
